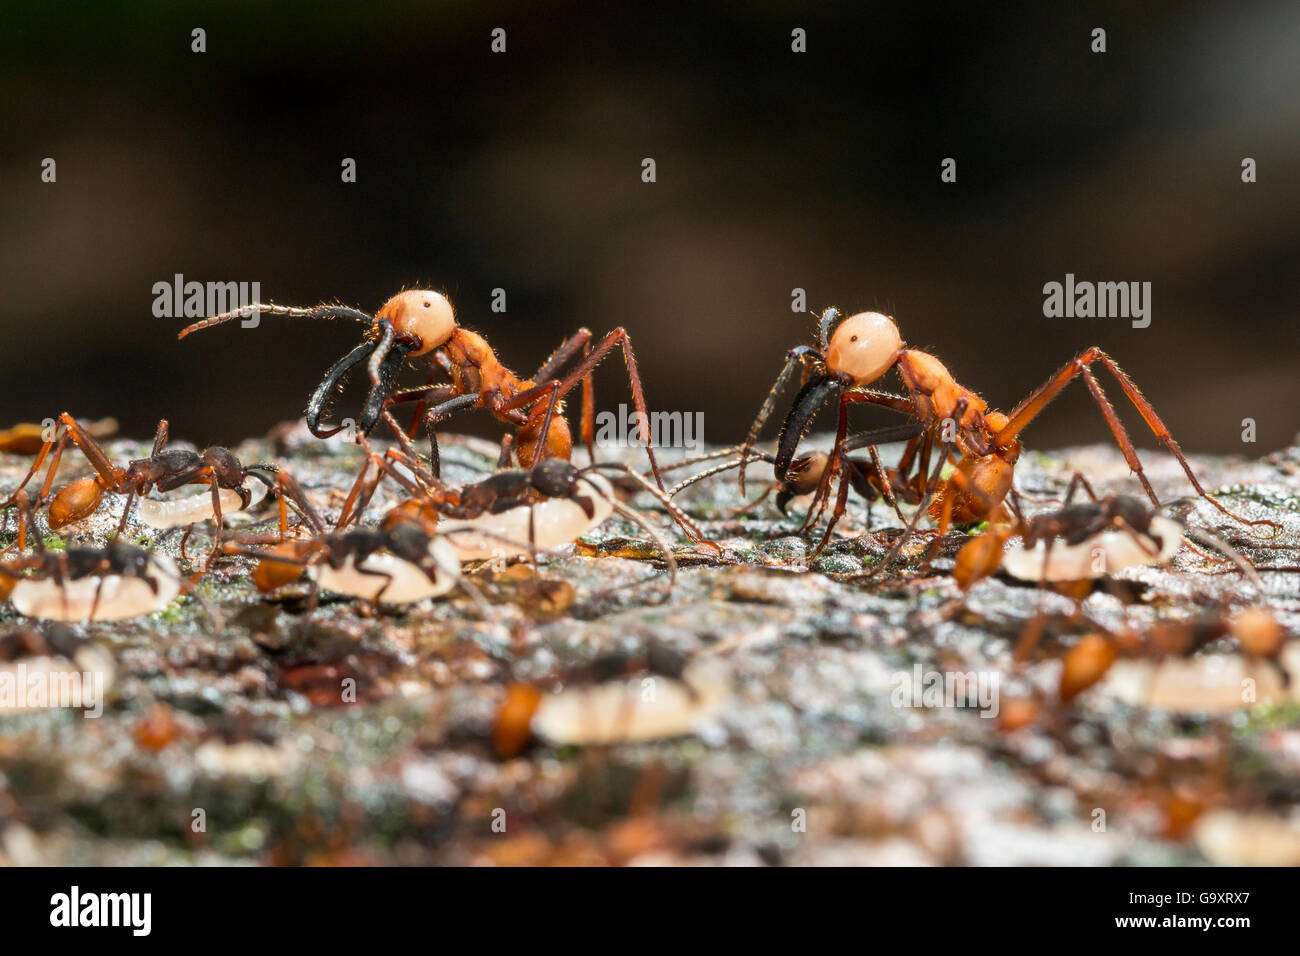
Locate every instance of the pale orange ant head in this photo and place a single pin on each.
(422, 313)
(864, 347)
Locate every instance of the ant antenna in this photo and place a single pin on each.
(824, 326)
(256, 308)
(663, 497)
(685, 483)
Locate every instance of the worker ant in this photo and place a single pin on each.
(420, 322)
(1085, 540)
(131, 581)
(804, 475)
(1077, 542)
(166, 469)
(867, 345)
(513, 511)
(411, 559)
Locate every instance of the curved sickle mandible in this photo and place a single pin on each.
(337, 371)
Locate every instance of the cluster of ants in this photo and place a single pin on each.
(957, 468)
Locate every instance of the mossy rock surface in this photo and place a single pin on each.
(810, 759)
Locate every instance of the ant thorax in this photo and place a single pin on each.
(935, 392)
(470, 352)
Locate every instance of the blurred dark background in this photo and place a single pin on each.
(775, 170)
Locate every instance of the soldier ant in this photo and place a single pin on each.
(165, 469)
(867, 345)
(420, 322)
(57, 585)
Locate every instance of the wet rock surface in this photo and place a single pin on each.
(346, 734)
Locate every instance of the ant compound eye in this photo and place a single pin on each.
(864, 347)
(421, 314)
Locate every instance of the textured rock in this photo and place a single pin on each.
(814, 757)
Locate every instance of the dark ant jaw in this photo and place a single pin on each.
(816, 392)
(332, 380)
(796, 357)
(386, 379)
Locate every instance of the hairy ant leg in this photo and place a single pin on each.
(868, 440)
(1028, 409)
(580, 341)
(926, 498)
(615, 339)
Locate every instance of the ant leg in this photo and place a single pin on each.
(216, 520)
(61, 580)
(931, 486)
(921, 509)
(1028, 409)
(1077, 481)
(589, 411)
(883, 436)
(106, 470)
(413, 429)
(841, 505)
(580, 341)
(361, 490)
(707, 472)
(507, 449)
(615, 339)
(532, 546)
(530, 397)
(945, 522)
(94, 604)
(126, 511)
(702, 457)
(818, 506)
(570, 347)
(48, 484)
(26, 520)
(287, 488)
(1159, 429)
(371, 572)
(71, 428)
(871, 396)
(56, 444)
(885, 485)
(160, 437)
(434, 417)
(663, 497)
